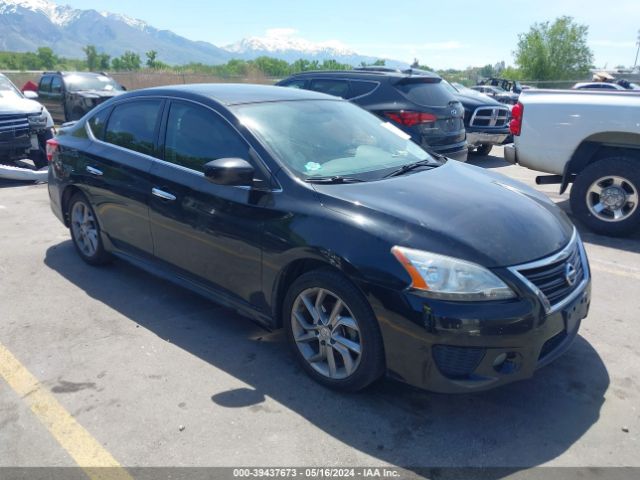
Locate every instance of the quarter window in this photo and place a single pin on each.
(360, 88)
(196, 135)
(338, 88)
(133, 125)
(98, 122)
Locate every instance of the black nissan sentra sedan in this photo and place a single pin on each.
(306, 212)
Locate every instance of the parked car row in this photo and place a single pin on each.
(303, 211)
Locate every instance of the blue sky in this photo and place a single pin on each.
(439, 33)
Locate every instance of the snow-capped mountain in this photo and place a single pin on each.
(26, 25)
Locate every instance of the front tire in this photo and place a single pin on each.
(85, 231)
(333, 331)
(605, 196)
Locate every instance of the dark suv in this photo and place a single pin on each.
(69, 95)
(415, 100)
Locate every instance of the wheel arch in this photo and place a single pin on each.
(599, 146)
(299, 266)
(66, 196)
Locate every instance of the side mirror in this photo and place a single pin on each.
(229, 171)
(30, 94)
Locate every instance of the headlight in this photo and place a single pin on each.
(38, 120)
(447, 278)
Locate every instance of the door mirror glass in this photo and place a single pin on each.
(229, 171)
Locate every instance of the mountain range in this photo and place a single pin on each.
(26, 25)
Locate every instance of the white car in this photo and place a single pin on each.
(590, 139)
(25, 126)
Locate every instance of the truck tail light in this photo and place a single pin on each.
(52, 148)
(409, 119)
(515, 126)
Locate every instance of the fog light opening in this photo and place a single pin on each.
(507, 362)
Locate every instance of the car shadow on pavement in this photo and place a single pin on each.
(487, 161)
(516, 426)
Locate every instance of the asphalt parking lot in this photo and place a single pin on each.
(158, 376)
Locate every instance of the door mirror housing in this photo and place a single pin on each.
(229, 171)
(30, 94)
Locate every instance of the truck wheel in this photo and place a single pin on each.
(77, 114)
(605, 196)
(483, 150)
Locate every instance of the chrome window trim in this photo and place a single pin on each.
(175, 165)
(559, 256)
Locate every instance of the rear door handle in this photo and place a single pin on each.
(94, 171)
(162, 194)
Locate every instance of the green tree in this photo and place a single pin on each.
(554, 51)
(128, 61)
(92, 57)
(46, 58)
(104, 61)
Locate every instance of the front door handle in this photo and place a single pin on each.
(94, 171)
(162, 194)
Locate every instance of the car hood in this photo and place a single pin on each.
(457, 210)
(14, 104)
(478, 100)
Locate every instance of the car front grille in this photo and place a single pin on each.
(13, 126)
(558, 276)
(457, 362)
(493, 116)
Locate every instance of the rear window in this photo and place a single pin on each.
(426, 94)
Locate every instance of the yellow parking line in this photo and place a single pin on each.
(78, 442)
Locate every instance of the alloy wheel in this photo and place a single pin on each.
(326, 333)
(612, 198)
(85, 230)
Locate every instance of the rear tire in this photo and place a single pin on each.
(605, 196)
(85, 231)
(338, 344)
(483, 150)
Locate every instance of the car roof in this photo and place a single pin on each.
(614, 86)
(365, 73)
(237, 93)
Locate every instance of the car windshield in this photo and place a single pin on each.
(8, 89)
(76, 83)
(325, 139)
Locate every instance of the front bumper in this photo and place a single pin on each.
(456, 347)
(460, 348)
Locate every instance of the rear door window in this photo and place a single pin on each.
(196, 135)
(426, 94)
(133, 125)
(56, 85)
(337, 88)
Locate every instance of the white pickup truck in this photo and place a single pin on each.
(590, 139)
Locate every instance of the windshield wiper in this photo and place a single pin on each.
(334, 179)
(412, 166)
